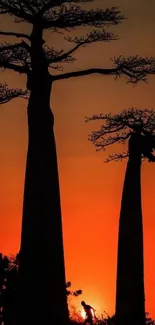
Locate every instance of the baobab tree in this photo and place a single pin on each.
(41, 220)
(137, 127)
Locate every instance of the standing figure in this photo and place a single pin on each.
(90, 313)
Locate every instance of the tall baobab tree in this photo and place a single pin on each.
(41, 221)
(138, 128)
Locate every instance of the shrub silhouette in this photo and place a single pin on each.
(8, 285)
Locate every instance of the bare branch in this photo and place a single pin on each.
(14, 67)
(101, 142)
(135, 69)
(17, 9)
(95, 36)
(18, 35)
(91, 37)
(9, 46)
(52, 56)
(55, 56)
(118, 128)
(29, 10)
(6, 94)
(15, 57)
(74, 16)
(54, 3)
(85, 73)
(30, 6)
(117, 157)
(62, 57)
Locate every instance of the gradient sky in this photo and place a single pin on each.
(90, 189)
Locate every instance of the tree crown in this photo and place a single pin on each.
(118, 128)
(64, 16)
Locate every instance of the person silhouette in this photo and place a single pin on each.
(90, 313)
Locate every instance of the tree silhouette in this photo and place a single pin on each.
(6, 94)
(8, 285)
(136, 126)
(41, 221)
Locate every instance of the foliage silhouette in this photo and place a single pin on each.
(136, 126)
(41, 221)
(118, 128)
(8, 286)
(6, 94)
(69, 292)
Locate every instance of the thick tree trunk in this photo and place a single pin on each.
(41, 295)
(130, 301)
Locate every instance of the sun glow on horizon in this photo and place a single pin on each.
(93, 314)
(83, 314)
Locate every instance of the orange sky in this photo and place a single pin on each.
(90, 189)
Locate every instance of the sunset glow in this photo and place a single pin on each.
(83, 314)
(90, 189)
(92, 311)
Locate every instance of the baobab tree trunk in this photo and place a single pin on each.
(41, 288)
(41, 272)
(130, 300)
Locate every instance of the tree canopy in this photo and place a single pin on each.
(117, 128)
(64, 16)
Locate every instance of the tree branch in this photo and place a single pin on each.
(135, 124)
(117, 157)
(30, 7)
(74, 16)
(54, 3)
(94, 36)
(85, 73)
(15, 57)
(18, 35)
(6, 94)
(10, 46)
(13, 7)
(14, 67)
(11, 54)
(101, 142)
(134, 68)
(65, 55)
